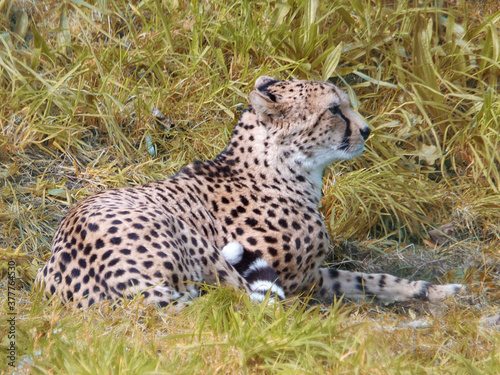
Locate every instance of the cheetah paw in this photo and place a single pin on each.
(436, 293)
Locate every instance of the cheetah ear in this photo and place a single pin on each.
(263, 82)
(262, 100)
(263, 104)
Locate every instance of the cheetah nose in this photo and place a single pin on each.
(365, 132)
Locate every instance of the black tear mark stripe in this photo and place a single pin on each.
(348, 132)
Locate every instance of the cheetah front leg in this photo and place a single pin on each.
(356, 285)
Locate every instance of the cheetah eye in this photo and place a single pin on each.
(335, 110)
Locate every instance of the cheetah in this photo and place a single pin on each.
(248, 218)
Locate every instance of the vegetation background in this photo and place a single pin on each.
(84, 85)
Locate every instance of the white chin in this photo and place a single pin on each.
(351, 153)
(354, 151)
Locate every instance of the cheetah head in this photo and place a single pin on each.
(310, 123)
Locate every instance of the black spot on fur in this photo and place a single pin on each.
(381, 282)
(93, 227)
(106, 255)
(116, 240)
(141, 249)
(252, 241)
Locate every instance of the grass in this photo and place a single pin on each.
(79, 82)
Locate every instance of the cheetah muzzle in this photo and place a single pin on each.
(248, 218)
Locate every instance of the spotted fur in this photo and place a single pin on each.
(248, 218)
